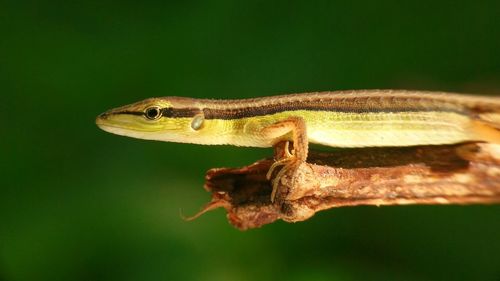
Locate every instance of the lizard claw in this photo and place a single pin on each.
(287, 162)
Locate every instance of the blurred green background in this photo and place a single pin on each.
(77, 203)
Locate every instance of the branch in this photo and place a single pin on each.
(452, 174)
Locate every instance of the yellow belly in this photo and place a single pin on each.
(353, 129)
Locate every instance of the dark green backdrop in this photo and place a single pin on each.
(77, 203)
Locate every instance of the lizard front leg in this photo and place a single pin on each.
(276, 131)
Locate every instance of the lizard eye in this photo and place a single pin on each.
(152, 113)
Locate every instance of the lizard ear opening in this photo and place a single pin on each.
(197, 122)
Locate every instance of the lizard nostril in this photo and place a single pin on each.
(103, 115)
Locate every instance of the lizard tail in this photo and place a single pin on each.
(487, 127)
(492, 119)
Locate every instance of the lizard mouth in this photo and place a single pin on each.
(121, 123)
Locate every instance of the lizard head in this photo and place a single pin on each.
(167, 119)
